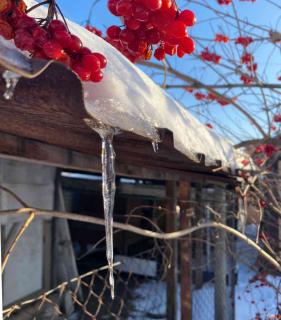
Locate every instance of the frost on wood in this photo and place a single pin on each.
(108, 188)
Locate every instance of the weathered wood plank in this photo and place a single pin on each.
(14, 147)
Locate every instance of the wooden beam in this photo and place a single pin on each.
(185, 274)
(24, 149)
(172, 273)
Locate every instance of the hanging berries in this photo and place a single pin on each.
(206, 55)
(277, 118)
(224, 2)
(51, 40)
(149, 23)
(244, 41)
(221, 38)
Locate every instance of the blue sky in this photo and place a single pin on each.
(261, 13)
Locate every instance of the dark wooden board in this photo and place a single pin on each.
(50, 109)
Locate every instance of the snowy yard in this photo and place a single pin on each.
(250, 299)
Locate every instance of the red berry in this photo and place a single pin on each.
(40, 36)
(170, 49)
(159, 54)
(141, 14)
(112, 4)
(56, 25)
(166, 4)
(178, 29)
(53, 50)
(74, 44)
(24, 22)
(91, 62)
(65, 59)
(63, 38)
(96, 76)
(153, 4)
(153, 36)
(132, 23)
(127, 36)
(188, 17)
(102, 58)
(6, 30)
(113, 32)
(82, 72)
(124, 8)
(85, 50)
(24, 41)
(180, 52)
(187, 45)
(39, 55)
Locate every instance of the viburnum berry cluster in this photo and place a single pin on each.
(249, 61)
(150, 25)
(49, 39)
(206, 55)
(221, 38)
(224, 2)
(244, 41)
(212, 97)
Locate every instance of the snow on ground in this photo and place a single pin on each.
(253, 298)
(250, 299)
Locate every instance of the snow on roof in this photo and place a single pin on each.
(129, 99)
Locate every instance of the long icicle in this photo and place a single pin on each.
(108, 190)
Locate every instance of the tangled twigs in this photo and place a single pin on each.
(147, 233)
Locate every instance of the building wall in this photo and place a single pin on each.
(35, 185)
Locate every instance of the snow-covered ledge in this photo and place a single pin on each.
(128, 99)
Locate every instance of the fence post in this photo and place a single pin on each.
(185, 274)
(221, 312)
(172, 273)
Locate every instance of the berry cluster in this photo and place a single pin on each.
(247, 79)
(149, 23)
(248, 60)
(277, 118)
(244, 41)
(212, 97)
(266, 149)
(50, 40)
(221, 38)
(206, 55)
(224, 2)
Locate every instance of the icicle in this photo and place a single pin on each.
(155, 146)
(108, 188)
(11, 80)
